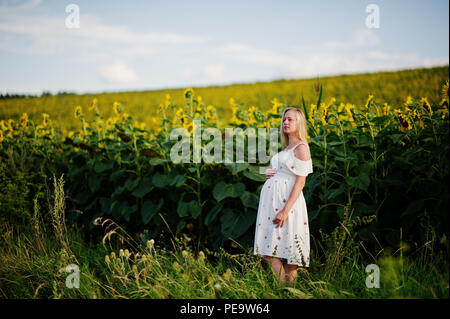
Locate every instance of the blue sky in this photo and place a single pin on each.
(138, 45)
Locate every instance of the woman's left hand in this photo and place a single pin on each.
(280, 218)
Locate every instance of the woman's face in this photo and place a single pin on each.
(290, 122)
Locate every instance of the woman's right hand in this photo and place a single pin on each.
(270, 172)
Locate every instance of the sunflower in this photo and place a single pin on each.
(426, 105)
(188, 93)
(1, 136)
(251, 113)
(444, 111)
(40, 130)
(386, 109)
(369, 99)
(78, 112)
(180, 115)
(199, 100)
(409, 100)
(324, 117)
(445, 92)
(24, 119)
(168, 101)
(117, 108)
(418, 117)
(404, 121)
(45, 119)
(3, 125)
(109, 123)
(11, 125)
(276, 107)
(94, 102)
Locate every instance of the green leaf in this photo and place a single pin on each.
(105, 204)
(93, 183)
(213, 213)
(156, 161)
(117, 207)
(194, 169)
(237, 167)
(160, 180)
(178, 180)
(320, 96)
(144, 187)
(205, 179)
(182, 209)
(131, 183)
(195, 209)
(304, 107)
(313, 214)
(414, 207)
(82, 197)
(149, 210)
(253, 174)
(361, 181)
(249, 200)
(332, 193)
(116, 175)
(223, 190)
(235, 225)
(100, 167)
(127, 211)
(181, 224)
(119, 190)
(76, 171)
(185, 208)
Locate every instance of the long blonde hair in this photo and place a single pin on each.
(302, 132)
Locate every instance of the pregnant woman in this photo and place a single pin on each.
(282, 228)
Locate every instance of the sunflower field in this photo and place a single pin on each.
(379, 145)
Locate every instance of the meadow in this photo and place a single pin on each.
(87, 180)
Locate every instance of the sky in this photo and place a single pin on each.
(107, 46)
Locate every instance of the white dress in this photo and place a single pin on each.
(291, 241)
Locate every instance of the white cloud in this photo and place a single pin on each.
(117, 72)
(365, 37)
(251, 54)
(211, 73)
(48, 35)
(429, 62)
(7, 9)
(215, 72)
(312, 62)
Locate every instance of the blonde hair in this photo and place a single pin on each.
(302, 132)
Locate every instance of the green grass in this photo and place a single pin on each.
(32, 271)
(35, 254)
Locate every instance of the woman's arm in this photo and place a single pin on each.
(281, 217)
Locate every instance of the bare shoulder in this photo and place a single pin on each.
(302, 152)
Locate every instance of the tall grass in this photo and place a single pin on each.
(33, 265)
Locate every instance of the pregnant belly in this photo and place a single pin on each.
(280, 179)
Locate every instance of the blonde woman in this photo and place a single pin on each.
(282, 228)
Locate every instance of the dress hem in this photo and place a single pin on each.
(270, 255)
